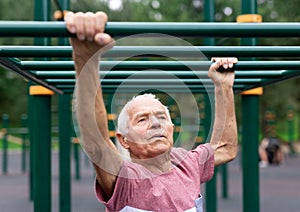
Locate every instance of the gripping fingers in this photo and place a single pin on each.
(69, 19)
(224, 63)
(89, 26)
(232, 61)
(80, 26)
(94, 24)
(86, 26)
(100, 21)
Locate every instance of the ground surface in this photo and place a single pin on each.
(279, 187)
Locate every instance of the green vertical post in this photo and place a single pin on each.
(224, 171)
(30, 111)
(24, 144)
(250, 123)
(76, 158)
(250, 157)
(64, 153)
(209, 16)
(41, 99)
(111, 117)
(211, 186)
(5, 123)
(41, 13)
(175, 116)
(291, 128)
(42, 9)
(64, 139)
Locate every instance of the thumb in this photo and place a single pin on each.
(103, 39)
(215, 65)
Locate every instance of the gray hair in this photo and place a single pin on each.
(123, 118)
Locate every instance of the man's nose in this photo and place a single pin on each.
(154, 122)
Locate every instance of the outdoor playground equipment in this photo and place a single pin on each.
(57, 76)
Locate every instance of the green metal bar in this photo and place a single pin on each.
(211, 186)
(250, 132)
(138, 85)
(288, 74)
(291, 128)
(152, 51)
(184, 85)
(24, 124)
(111, 117)
(160, 65)
(41, 126)
(250, 158)
(249, 7)
(5, 124)
(42, 153)
(64, 152)
(30, 109)
(14, 65)
(64, 138)
(162, 87)
(180, 74)
(225, 183)
(58, 29)
(42, 16)
(154, 81)
(35, 51)
(77, 160)
(65, 5)
(68, 90)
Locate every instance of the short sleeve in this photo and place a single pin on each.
(119, 198)
(205, 154)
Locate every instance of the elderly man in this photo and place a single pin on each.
(158, 177)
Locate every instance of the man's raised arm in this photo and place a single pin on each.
(88, 46)
(224, 134)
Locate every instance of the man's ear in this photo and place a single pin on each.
(121, 138)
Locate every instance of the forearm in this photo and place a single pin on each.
(92, 122)
(224, 135)
(91, 112)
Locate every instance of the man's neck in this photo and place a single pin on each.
(157, 165)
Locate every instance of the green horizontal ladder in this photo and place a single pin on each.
(58, 29)
(53, 74)
(159, 65)
(167, 51)
(60, 75)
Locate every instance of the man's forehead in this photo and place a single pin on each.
(143, 105)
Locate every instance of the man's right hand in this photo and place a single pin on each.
(90, 36)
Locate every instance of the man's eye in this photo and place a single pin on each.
(141, 120)
(162, 117)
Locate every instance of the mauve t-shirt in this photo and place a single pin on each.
(137, 189)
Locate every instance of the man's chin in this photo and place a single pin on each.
(161, 146)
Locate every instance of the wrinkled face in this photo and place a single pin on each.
(150, 131)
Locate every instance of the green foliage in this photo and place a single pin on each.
(16, 10)
(11, 145)
(13, 96)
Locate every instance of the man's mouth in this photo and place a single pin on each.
(158, 136)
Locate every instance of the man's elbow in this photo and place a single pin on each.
(232, 153)
(231, 147)
(225, 154)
